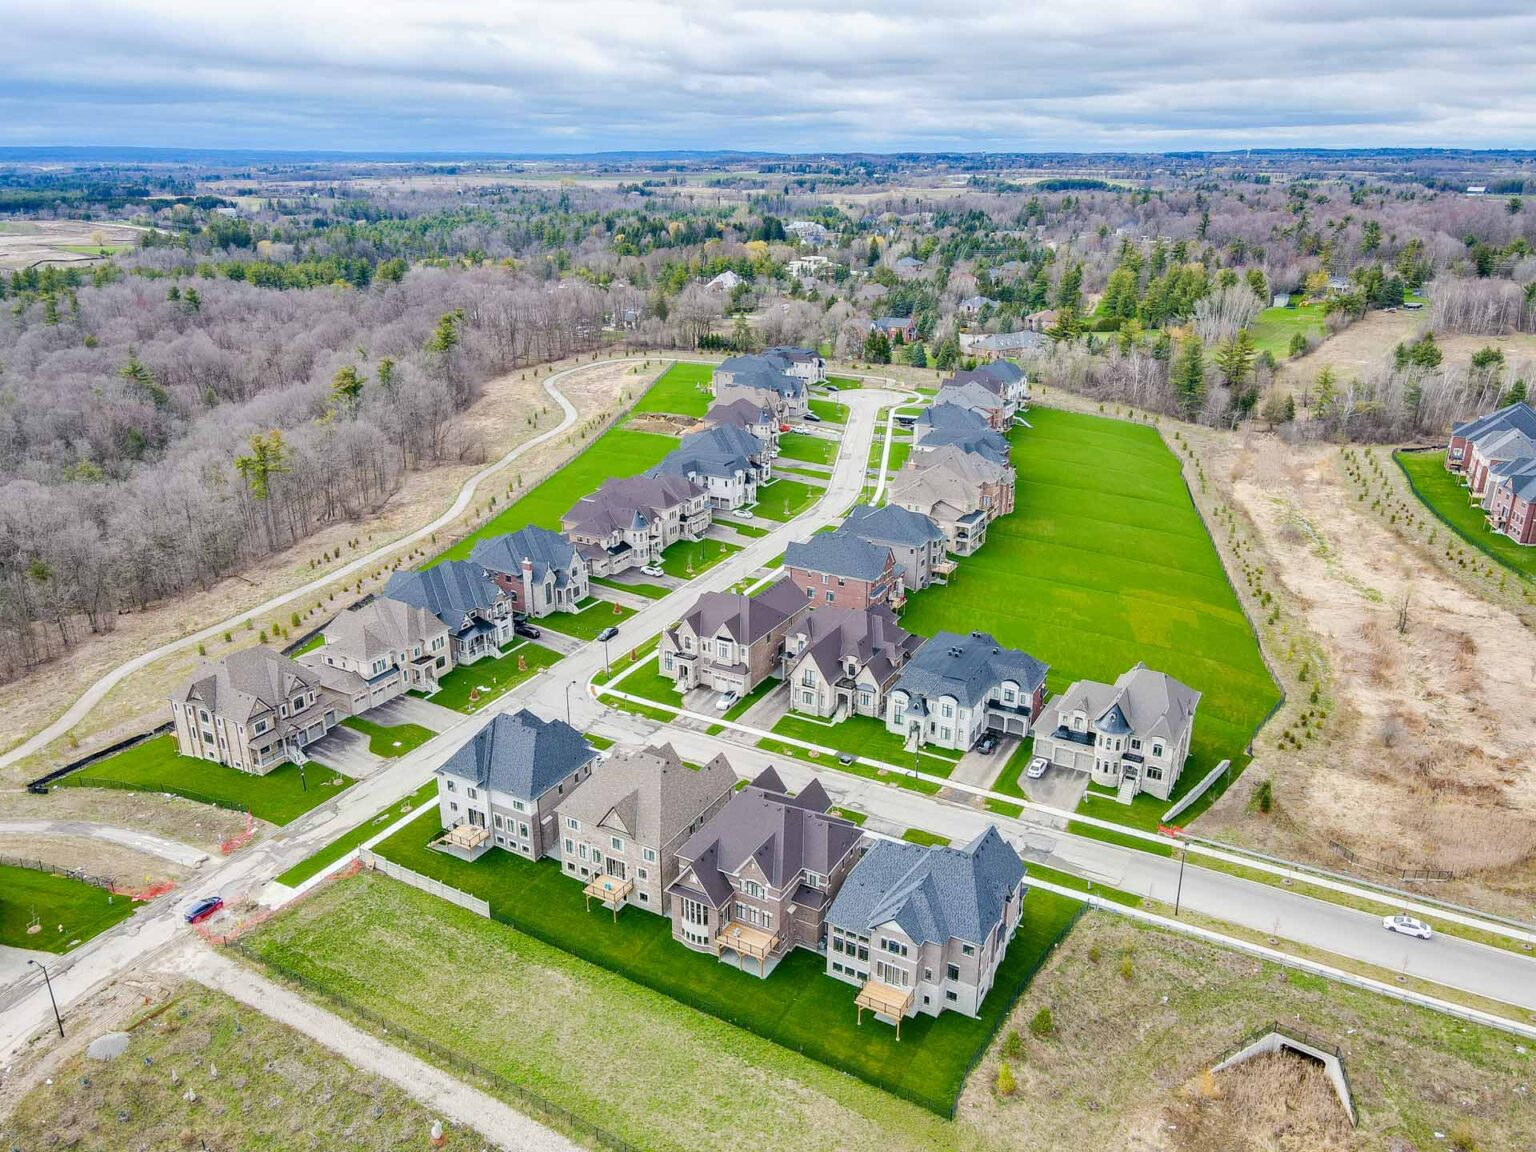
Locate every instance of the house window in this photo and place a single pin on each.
(1154, 772)
(1135, 744)
(642, 874)
(752, 888)
(866, 698)
(496, 820)
(831, 597)
(618, 844)
(451, 786)
(573, 824)
(808, 698)
(472, 793)
(950, 996)
(570, 846)
(522, 830)
(650, 855)
(666, 661)
(812, 880)
(1157, 747)
(583, 853)
(808, 678)
(895, 947)
(947, 710)
(952, 972)
(967, 949)
(518, 806)
(723, 647)
(644, 897)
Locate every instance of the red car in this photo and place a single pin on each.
(204, 908)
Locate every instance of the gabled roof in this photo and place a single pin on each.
(783, 834)
(989, 445)
(952, 417)
(379, 628)
(891, 524)
(745, 619)
(970, 394)
(763, 372)
(968, 466)
(629, 504)
(967, 668)
(450, 591)
(743, 413)
(545, 549)
(933, 894)
(869, 637)
(838, 554)
(649, 794)
(1518, 415)
(1506, 444)
(722, 451)
(1141, 702)
(519, 754)
(245, 683)
(893, 322)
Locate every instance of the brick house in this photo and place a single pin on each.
(757, 879)
(731, 642)
(753, 418)
(842, 662)
(764, 380)
(833, 569)
(539, 570)
(628, 523)
(1510, 513)
(916, 542)
(895, 328)
(957, 687)
(1519, 416)
(252, 710)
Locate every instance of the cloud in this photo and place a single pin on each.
(791, 75)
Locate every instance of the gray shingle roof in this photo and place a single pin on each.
(547, 550)
(766, 372)
(380, 627)
(870, 637)
(967, 668)
(742, 413)
(519, 754)
(839, 554)
(649, 793)
(1518, 415)
(452, 591)
(245, 683)
(745, 618)
(891, 524)
(622, 505)
(935, 894)
(952, 418)
(723, 451)
(1141, 701)
(969, 394)
(987, 444)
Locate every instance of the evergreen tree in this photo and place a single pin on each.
(1188, 376)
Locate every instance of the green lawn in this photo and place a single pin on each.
(649, 683)
(925, 838)
(1104, 562)
(315, 641)
(812, 449)
(492, 677)
(751, 530)
(857, 768)
(82, 910)
(830, 411)
(1447, 498)
(850, 815)
(865, 736)
(389, 740)
(701, 555)
(1273, 328)
(336, 849)
(649, 591)
(155, 766)
(785, 499)
(798, 1005)
(682, 389)
(586, 624)
(844, 383)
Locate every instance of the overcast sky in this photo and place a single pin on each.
(785, 75)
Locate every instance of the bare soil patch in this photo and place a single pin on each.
(110, 861)
(199, 825)
(24, 243)
(663, 423)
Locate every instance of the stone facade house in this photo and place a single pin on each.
(539, 570)
(924, 929)
(1133, 735)
(949, 425)
(757, 879)
(726, 462)
(506, 782)
(802, 363)
(620, 831)
(959, 491)
(731, 642)
(833, 569)
(629, 523)
(916, 542)
(977, 398)
(957, 687)
(380, 650)
(253, 710)
(1002, 377)
(842, 661)
(473, 608)
(765, 381)
(754, 419)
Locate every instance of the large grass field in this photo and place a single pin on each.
(1446, 496)
(282, 795)
(336, 849)
(682, 389)
(389, 740)
(1273, 328)
(1103, 563)
(797, 1006)
(492, 678)
(82, 910)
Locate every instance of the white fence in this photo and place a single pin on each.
(425, 883)
(1198, 790)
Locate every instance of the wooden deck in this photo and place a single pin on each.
(747, 940)
(608, 891)
(884, 1000)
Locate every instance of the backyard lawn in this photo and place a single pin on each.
(282, 795)
(586, 624)
(682, 389)
(493, 678)
(1446, 496)
(812, 449)
(701, 555)
(389, 740)
(1273, 328)
(82, 910)
(798, 1005)
(368, 829)
(785, 499)
(1106, 562)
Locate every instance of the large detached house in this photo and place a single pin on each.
(756, 880)
(764, 380)
(924, 929)
(960, 492)
(835, 569)
(803, 363)
(379, 650)
(539, 570)
(977, 398)
(753, 418)
(1520, 417)
(957, 687)
(503, 785)
(949, 425)
(843, 661)
(731, 642)
(253, 710)
(915, 541)
(620, 831)
(629, 523)
(727, 462)
(471, 606)
(1132, 735)
(1003, 377)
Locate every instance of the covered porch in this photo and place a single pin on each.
(608, 891)
(884, 1000)
(748, 942)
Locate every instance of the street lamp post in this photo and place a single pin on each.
(569, 685)
(606, 662)
(57, 1019)
(1178, 894)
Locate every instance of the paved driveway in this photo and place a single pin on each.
(1058, 788)
(347, 751)
(414, 710)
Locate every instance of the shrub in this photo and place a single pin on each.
(1042, 1024)
(1013, 1045)
(1463, 1136)
(1005, 1082)
(1264, 798)
(1094, 954)
(1127, 966)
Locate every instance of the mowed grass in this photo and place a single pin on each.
(812, 449)
(785, 499)
(336, 849)
(1446, 496)
(688, 558)
(864, 736)
(491, 678)
(389, 739)
(682, 389)
(282, 795)
(1273, 328)
(797, 1006)
(1105, 562)
(69, 912)
(586, 624)
(830, 411)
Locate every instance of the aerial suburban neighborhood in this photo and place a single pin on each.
(589, 580)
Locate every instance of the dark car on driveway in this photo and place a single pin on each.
(526, 630)
(203, 909)
(987, 743)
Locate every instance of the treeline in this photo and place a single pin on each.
(156, 438)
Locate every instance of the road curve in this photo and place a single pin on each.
(97, 691)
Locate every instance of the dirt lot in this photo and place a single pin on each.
(110, 861)
(1429, 755)
(1367, 344)
(199, 825)
(24, 243)
(495, 424)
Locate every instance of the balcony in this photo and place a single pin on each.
(747, 940)
(884, 1000)
(608, 891)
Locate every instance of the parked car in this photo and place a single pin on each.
(783, 427)
(1038, 767)
(654, 570)
(743, 513)
(526, 630)
(608, 633)
(832, 388)
(203, 909)
(813, 418)
(1408, 926)
(726, 700)
(987, 744)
